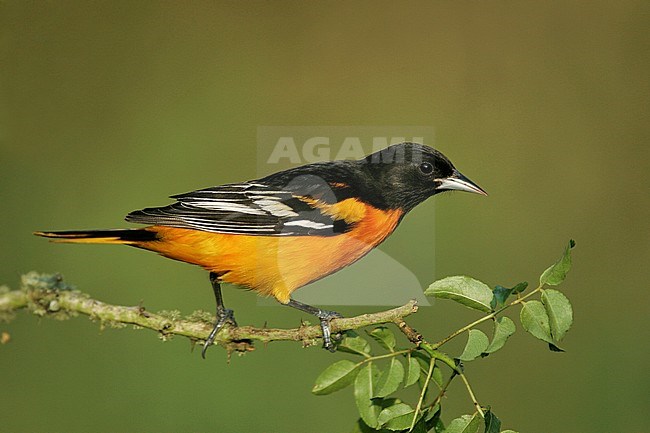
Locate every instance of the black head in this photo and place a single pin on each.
(409, 173)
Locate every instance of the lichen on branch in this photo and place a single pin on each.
(49, 296)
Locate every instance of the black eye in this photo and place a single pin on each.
(426, 168)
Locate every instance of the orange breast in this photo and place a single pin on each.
(276, 265)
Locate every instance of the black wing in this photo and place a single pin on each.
(252, 208)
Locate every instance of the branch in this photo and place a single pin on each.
(49, 296)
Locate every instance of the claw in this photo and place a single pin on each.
(326, 317)
(224, 316)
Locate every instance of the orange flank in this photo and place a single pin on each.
(278, 265)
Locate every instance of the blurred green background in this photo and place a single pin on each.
(107, 107)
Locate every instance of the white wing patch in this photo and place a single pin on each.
(224, 206)
(308, 224)
(275, 207)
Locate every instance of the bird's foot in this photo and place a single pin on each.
(224, 315)
(325, 318)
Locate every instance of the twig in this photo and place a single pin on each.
(443, 389)
(471, 395)
(492, 315)
(432, 364)
(413, 336)
(47, 295)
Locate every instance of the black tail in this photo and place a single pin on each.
(116, 236)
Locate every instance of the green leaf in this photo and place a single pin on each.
(419, 427)
(559, 312)
(436, 426)
(384, 337)
(413, 372)
(504, 327)
(390, 379)
(477, 342)
(555, 274)
(501, 293)
(431, 420)
(465, 290)
(535, 320)
(336, 376)
(520, 287)
(436, 376)
(362, 427)
(396, 417)
(354, 343)
(508, 431)
(423, 358)
(432, 412)
(364, 390)
(492, 423)
(465, 424)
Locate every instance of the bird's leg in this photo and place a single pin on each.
(223, 314)
(324, 316)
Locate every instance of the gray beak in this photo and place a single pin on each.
(459, 182)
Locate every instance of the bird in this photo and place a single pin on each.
(278, 233)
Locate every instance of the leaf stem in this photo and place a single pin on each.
(388, 355)
(432, 364)
(443, 389)
(485, 318)
(471, 395)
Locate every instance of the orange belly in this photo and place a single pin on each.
(274, 265)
